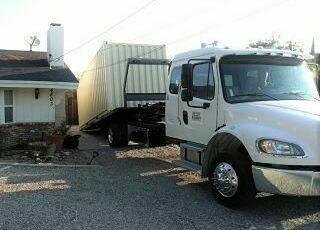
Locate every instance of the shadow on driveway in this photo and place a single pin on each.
(134, 190)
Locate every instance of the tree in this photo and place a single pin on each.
(267, 43)
(275, 43)
(290, 45)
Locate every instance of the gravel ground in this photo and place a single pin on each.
(135, 188)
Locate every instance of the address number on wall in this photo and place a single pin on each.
(51, 97)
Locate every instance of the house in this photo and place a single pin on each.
(32, 90)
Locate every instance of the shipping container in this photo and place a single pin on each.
(101, 84)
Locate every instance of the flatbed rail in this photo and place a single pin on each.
(142, 96)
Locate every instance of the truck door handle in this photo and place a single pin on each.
(185, 117)
(204, 105)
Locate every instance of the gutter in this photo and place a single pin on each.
(38, 84)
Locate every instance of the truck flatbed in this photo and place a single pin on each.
(147, 117)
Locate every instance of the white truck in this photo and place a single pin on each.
(249, 120)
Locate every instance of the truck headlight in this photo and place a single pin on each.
(275, 147)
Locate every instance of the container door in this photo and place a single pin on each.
(199, 116)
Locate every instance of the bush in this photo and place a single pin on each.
(59, 130)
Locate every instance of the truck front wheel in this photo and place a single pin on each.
(231, 179)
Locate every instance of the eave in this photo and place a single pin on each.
(38, 84)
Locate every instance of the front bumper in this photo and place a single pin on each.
(286, 182)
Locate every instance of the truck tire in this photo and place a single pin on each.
(124, 134)
(117, 135)
(231, 179)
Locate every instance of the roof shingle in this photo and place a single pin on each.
(18, 65)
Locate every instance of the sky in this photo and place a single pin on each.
(181, 24)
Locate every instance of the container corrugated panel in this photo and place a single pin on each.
(101, 84)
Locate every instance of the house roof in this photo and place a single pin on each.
(31, 66)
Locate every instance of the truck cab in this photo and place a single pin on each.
(249, 120)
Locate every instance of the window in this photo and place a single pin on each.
(259, 78)
(203, 82)
(175, 80)
(8, 106)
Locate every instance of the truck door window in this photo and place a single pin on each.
(175, 80)
(203, 82)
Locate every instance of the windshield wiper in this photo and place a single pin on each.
(301, 94)
(257, 95)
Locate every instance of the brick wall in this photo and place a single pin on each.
(22, 133)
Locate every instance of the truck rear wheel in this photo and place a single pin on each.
(231, 179)
(117, 135)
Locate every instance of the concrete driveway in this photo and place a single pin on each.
(133, 189)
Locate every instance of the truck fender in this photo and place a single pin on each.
(220, 142)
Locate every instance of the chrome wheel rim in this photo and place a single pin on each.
(110, 136)
(225, 179)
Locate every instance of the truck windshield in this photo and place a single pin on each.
(264, 77)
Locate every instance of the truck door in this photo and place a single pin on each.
(199, 116)
(172, 112)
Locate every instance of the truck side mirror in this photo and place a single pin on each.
(186, 82)
(315, 69)
(318, 77)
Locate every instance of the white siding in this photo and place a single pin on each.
(101, 85)
(29, 109)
